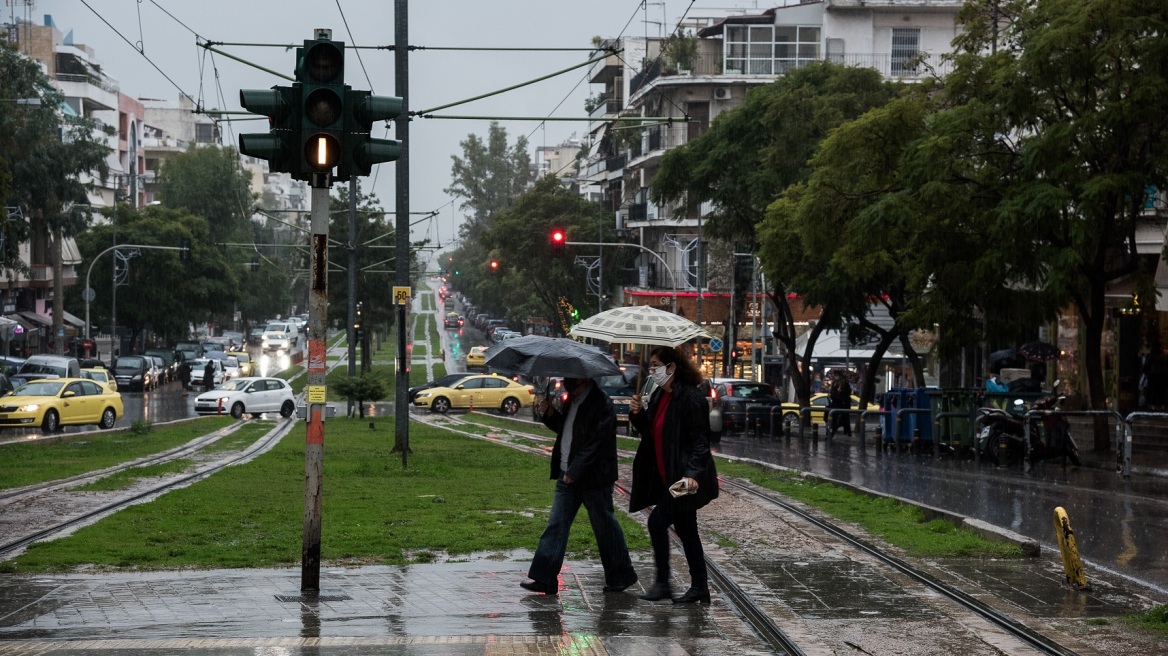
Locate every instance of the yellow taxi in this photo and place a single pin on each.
(246, 366)
(57, 402)
(819, 403)
(485, 392)
(102, 376)
(476, 357)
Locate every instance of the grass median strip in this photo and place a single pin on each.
(76, 453)
(458, 496)
(897, 523)
(242, 438)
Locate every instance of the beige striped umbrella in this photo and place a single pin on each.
(639, 324)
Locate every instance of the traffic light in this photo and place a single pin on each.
(185, 254)
(282, 107)
(494, 264)
(558, 239)
(320, 70)
(360, 151)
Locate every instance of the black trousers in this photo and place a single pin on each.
(685, 523)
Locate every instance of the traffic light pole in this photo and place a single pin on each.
(317, 343)
(352, 247)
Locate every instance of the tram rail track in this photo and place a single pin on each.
(264, 443)
(751, 611)
(15, 495)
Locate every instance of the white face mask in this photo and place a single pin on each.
(660, 375)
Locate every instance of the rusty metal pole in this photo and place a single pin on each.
(317, 340)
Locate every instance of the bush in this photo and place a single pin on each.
(366, 387)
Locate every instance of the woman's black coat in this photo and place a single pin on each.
(592, 461)
(686, 447)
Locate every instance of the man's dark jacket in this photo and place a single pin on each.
(686, 447)
(592, 460)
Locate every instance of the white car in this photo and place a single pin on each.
(253, 396)
(279, 336)
(230, 367)
(199, 369)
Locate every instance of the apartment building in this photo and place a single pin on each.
(675, 87)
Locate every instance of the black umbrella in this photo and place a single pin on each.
(535, 355)
(1038, 351)
(1004, 354)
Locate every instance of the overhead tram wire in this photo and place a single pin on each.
(353, 43)
(140, 52)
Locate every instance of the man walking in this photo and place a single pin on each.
(584, 468)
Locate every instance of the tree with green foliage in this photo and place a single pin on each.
(531, 278)
(160, 291)
(490, 175)
(358, 390)
(47, 155)
(208, 181)
(1072, 104)
(748, 157)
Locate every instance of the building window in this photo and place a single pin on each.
(906, 45)
(770, 49)
(204, 133)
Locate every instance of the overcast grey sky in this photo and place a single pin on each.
(436, 77)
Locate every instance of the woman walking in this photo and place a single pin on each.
(674, 452)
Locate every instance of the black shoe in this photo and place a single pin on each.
(658, 592)
(694, 596)
(536, 586)
(619, 588)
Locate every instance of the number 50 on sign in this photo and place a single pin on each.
(401, 295)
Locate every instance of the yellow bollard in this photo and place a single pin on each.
(1072, 563)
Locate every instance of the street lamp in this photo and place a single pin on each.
(672, 278)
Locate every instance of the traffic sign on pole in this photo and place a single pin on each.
(715, 345)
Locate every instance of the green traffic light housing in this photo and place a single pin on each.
(361, 152)
(281, 106)
(320, 71)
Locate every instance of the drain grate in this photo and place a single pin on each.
(297, 598)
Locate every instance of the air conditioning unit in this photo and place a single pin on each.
(722, 93)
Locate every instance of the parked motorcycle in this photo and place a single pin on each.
(1002, 436)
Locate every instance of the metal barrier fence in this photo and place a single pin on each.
(771, 421)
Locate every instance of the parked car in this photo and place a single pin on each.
(733, 396)
(101, 375)
(188, 351)
(6, 385)
(620, 388)
(248, 395)
(218, 344)
(199, 365)
(10, 364)
(481, 391)
(169, 363)
(52, 404)
(134, 373)
(442, 381)
(38, 367)
(819, 403)
(161, 377)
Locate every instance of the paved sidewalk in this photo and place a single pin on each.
(452, 608)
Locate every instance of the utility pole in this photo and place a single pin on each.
(352, 247)
(401, 278)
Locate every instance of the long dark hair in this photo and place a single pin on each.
(685, 372)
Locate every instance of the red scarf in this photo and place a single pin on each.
(658, 431)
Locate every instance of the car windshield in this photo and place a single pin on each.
(235, 385)
(41, 370)
(128, 363)
(39, 388)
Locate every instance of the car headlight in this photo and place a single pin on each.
(32, 407)
(223, 399)
(423, 395)
(137, 376)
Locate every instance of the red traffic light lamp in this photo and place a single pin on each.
(494, 265)
(558, 240)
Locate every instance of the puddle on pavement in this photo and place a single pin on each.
(837, 589)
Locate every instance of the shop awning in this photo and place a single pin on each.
(37, 319)
(72, 319)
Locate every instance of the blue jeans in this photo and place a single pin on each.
(610, 539)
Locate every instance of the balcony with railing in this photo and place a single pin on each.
(898, 67)
(604, 104)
